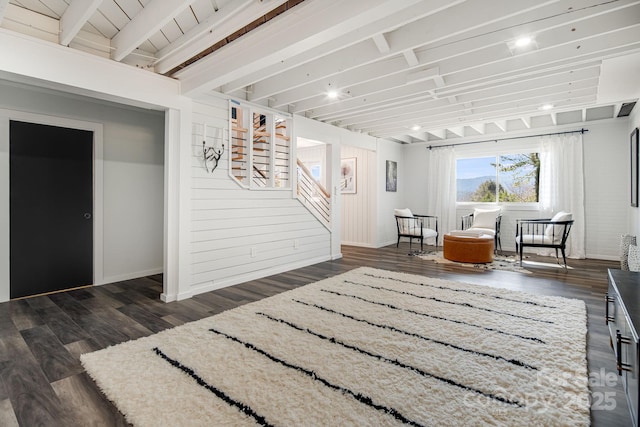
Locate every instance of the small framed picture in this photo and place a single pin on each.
(348, 175)
(392, 176)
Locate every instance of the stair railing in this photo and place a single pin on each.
(314, 196)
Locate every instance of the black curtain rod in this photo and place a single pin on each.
(582, 131)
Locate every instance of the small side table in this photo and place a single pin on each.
(471, 249)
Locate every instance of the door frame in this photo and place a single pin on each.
(6, 116)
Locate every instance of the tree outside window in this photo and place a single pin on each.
(511, 178)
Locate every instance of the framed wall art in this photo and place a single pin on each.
(348, 175)
(392, 176)
(634, 167)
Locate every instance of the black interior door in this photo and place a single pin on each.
(51, 208)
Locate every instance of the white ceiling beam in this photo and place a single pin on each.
(554, 118)
(397, 19)
(74, 18)
(381, 43)
(452, 99)
(457, 130)
(416, 76)
(544, 84)
(312, 24)
(475, 68)
(417, 111)
(526, 121)
(3, 8)
(439, 133)
(441, 26)
(511, 110)
(455, 113)
(398, 96)
(411, 58)
(501, 124)
(482, 72)
(584, 114)
(478, 127)
(148, 21)
(356, 53)
(405, 36)
(385, 96)
(499, 118)
(459, 68)
(227, 20)
(404, 138)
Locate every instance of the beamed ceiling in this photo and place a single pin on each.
(449, 67)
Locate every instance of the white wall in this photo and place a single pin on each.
(316, 154)
(606, 156)
(237, 234)
(133, 189)
(388, 200)
(359, 213)
(607, 187)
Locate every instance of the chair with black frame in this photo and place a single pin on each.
(415, 226)
(549, 233)
(485, 221)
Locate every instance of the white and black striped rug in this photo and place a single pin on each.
(368, 347)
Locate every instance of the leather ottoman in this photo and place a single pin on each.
(472, 249)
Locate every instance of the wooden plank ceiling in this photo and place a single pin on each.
(407, 70)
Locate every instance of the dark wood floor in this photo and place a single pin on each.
(41, 338)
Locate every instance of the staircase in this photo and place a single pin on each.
(314, 196)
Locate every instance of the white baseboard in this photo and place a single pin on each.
(360, 244)
(129, 276)
(254, 275)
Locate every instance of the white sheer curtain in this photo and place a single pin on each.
(562, 185)
(441, 188)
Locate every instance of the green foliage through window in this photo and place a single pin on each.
(511, 178)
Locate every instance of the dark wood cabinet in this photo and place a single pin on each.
(623, 319)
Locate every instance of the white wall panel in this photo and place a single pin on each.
(607, 193)
(239, 234)
(390, 200)
(359, 213)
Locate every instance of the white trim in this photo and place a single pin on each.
(98, 187)
(212, 286)
(129, 276)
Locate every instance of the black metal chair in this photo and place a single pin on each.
(467, 224)
(543, 233)
(418, 227)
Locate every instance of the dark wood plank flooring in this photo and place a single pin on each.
(41, 338)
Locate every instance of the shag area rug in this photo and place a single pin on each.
(500, 262)
(367, 347)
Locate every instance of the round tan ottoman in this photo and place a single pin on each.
(468, 248)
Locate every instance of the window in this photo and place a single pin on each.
(260, 148)
(507, 178)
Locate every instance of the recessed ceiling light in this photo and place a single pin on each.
(546, 107)
(333, 94)
(523, 41)
(416, 127)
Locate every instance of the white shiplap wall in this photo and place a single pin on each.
(359, 210)
(239, 234)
